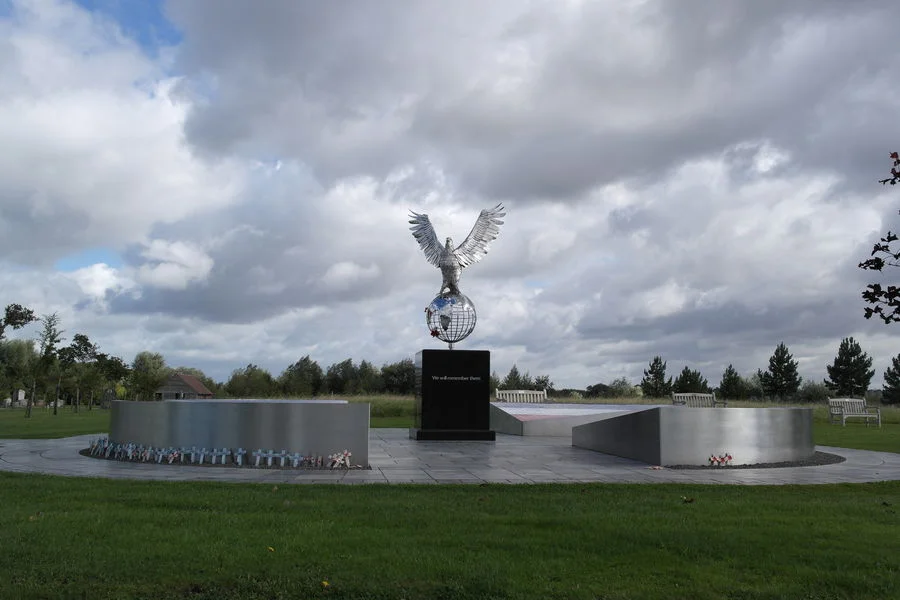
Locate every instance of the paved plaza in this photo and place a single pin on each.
(396, 459)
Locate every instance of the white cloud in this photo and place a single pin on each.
(343, 275)
(173, 265)
(98, 279)
(702, 203)
(99, 153)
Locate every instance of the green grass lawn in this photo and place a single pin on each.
(82, 538)
(43, 424)
(857, 435)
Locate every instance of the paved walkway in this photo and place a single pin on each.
(396, 459)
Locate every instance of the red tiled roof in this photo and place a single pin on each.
(194, 383)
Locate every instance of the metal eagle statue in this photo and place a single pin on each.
(451, 261)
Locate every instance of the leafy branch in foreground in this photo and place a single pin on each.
(885, 301)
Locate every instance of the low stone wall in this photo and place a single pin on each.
(318, 427)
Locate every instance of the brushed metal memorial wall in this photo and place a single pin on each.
(319, 427)
(550, 424)
(677, 435)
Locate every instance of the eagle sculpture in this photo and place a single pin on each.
(451, 261)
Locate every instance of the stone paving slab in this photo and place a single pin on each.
(395, 458)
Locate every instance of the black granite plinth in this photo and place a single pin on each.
(453, 394)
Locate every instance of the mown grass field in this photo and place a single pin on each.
(81, 538)
(398, 411)
(44, 425)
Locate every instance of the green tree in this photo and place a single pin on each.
(753, 386)
(812, 392)
(148, 373)
(15, 316)
(81, 355)
(342, 377)
(599, 390)
(690, 382)
(527, 381)
(66, 375)
(885, 302)
(851, 372)
(251, 382)
(513, 380)
(47, 364)
(495, 383)
(304, 378)
(368, 378)
(732, 386)
(17, 359)
(654, 384)
(113, 372)
(891, 391)
(621, 388)
(542, 382)
(781, 379)
(400, 377)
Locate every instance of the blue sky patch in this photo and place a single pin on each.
(141, 20)
(85, 258)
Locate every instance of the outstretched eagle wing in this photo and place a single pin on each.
(485, 231)
(428, 241)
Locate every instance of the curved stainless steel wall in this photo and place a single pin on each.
(319, 427)
(677, 435)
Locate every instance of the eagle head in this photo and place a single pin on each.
(449, 245)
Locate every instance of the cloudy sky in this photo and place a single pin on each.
(228, 181)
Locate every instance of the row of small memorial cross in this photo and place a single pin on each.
(104, 448)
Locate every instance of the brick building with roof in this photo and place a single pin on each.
(181, 386)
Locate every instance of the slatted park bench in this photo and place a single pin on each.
(841, 409)
(521, 395)
(697, 400)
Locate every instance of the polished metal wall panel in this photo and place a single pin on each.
(503, 422)
(550, 420)
(310, 427)
(677, 435)
(634, 435)
(751, 435)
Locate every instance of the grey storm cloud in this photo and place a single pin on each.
(598, 93)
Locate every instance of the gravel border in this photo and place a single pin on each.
(818, 459)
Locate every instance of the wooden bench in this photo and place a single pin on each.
(521, 395)
(697, 400)
(841, 409)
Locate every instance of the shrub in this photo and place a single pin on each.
(811, 391)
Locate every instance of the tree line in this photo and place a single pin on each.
(80, 374)
(849, 375)
(45, 367)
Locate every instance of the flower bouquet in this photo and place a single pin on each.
(721, 460)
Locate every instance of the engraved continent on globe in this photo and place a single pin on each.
(451, 317)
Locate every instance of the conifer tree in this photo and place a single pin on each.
(513, 379)
(690, 381)
(851, 372)
(781, 379)
(654, 384)
(732, 386)
(891, 391)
